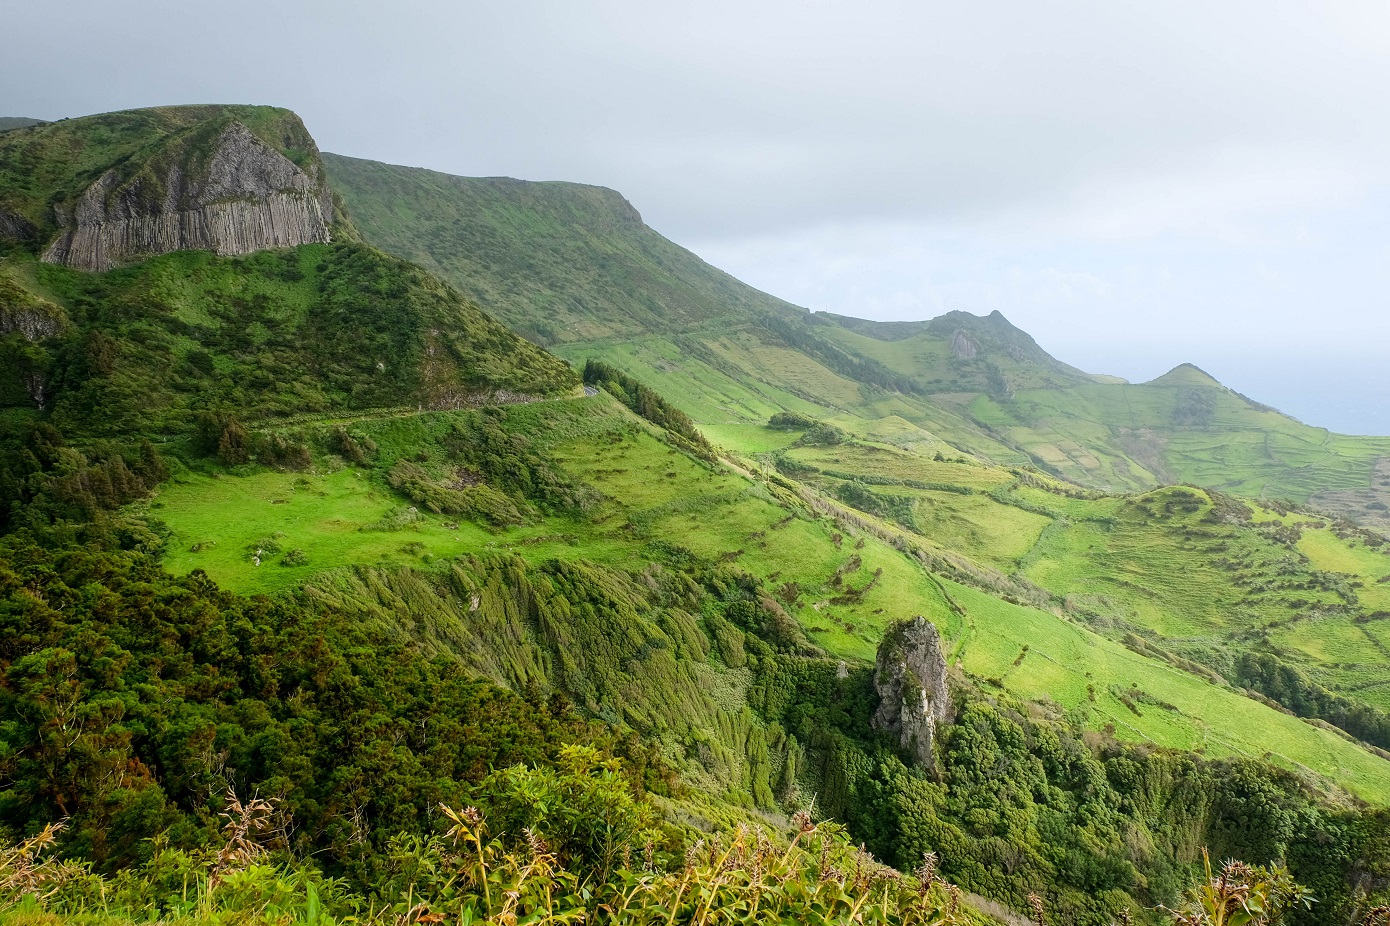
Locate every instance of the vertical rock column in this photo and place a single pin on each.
(248, 197)
(910, 677)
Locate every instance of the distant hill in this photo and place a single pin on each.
(575, 268)
(17, 122)
(559, 262)
(1185, 374)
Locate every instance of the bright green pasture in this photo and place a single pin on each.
(728, 382)
(1069, 665)
(976, 525)
(229, 517)
(1173, 570)
(650, 496)
(654, 492)
(738, 378)
(1326, 551)
(748, 438)
(649, 492)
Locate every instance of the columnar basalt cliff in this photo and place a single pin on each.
(247, 197)
(910, 677)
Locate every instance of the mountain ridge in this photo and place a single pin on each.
(957, 383)
(18, 122)
(643, 280)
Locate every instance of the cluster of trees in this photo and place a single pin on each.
(898, 508)
(1025, 805)
(222, 434)
(477, 502)
(791, 421)
(1195, 407)
(45, 481)
(482, 443)
(131, 699)
(1290, 686)
(648, 404)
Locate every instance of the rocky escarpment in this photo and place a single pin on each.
(27, 314)
(910, 677)
(963, 347)
(240, 197)
(16, 227)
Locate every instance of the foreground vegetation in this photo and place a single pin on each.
(469, 876)
(344, 701)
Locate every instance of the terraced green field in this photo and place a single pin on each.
(1039, 656)
(1199, 581)
(841, 583)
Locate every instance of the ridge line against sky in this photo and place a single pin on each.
(1135, 186)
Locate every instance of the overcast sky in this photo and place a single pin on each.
(1136, 184)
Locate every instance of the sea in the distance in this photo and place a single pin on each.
(1350, 395)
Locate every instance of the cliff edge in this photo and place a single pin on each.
(232, 180)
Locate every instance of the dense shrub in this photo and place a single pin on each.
(648, 404)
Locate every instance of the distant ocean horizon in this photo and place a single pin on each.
(1342, 394)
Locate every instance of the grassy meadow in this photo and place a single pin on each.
(1108, 561)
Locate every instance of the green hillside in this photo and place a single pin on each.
(325, 596)
(575, 268)
(589, 593)
(646, 493)
(153, 349)
(559, 262)
(933, 389)
(1183, 426)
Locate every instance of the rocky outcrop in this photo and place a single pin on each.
(910, 677)
(24, 312)
(963, 347)
(244, 197)
(34, 325)
(16, 227)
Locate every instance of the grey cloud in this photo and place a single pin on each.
(725, 117)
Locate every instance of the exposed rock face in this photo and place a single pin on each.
(910, 677)
(962, 346)
(247, 197)
(33, 325)
(27, 313)
(16, 226)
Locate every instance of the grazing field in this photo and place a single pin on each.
(219, 522)
(1042, 657)
(843, 585)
